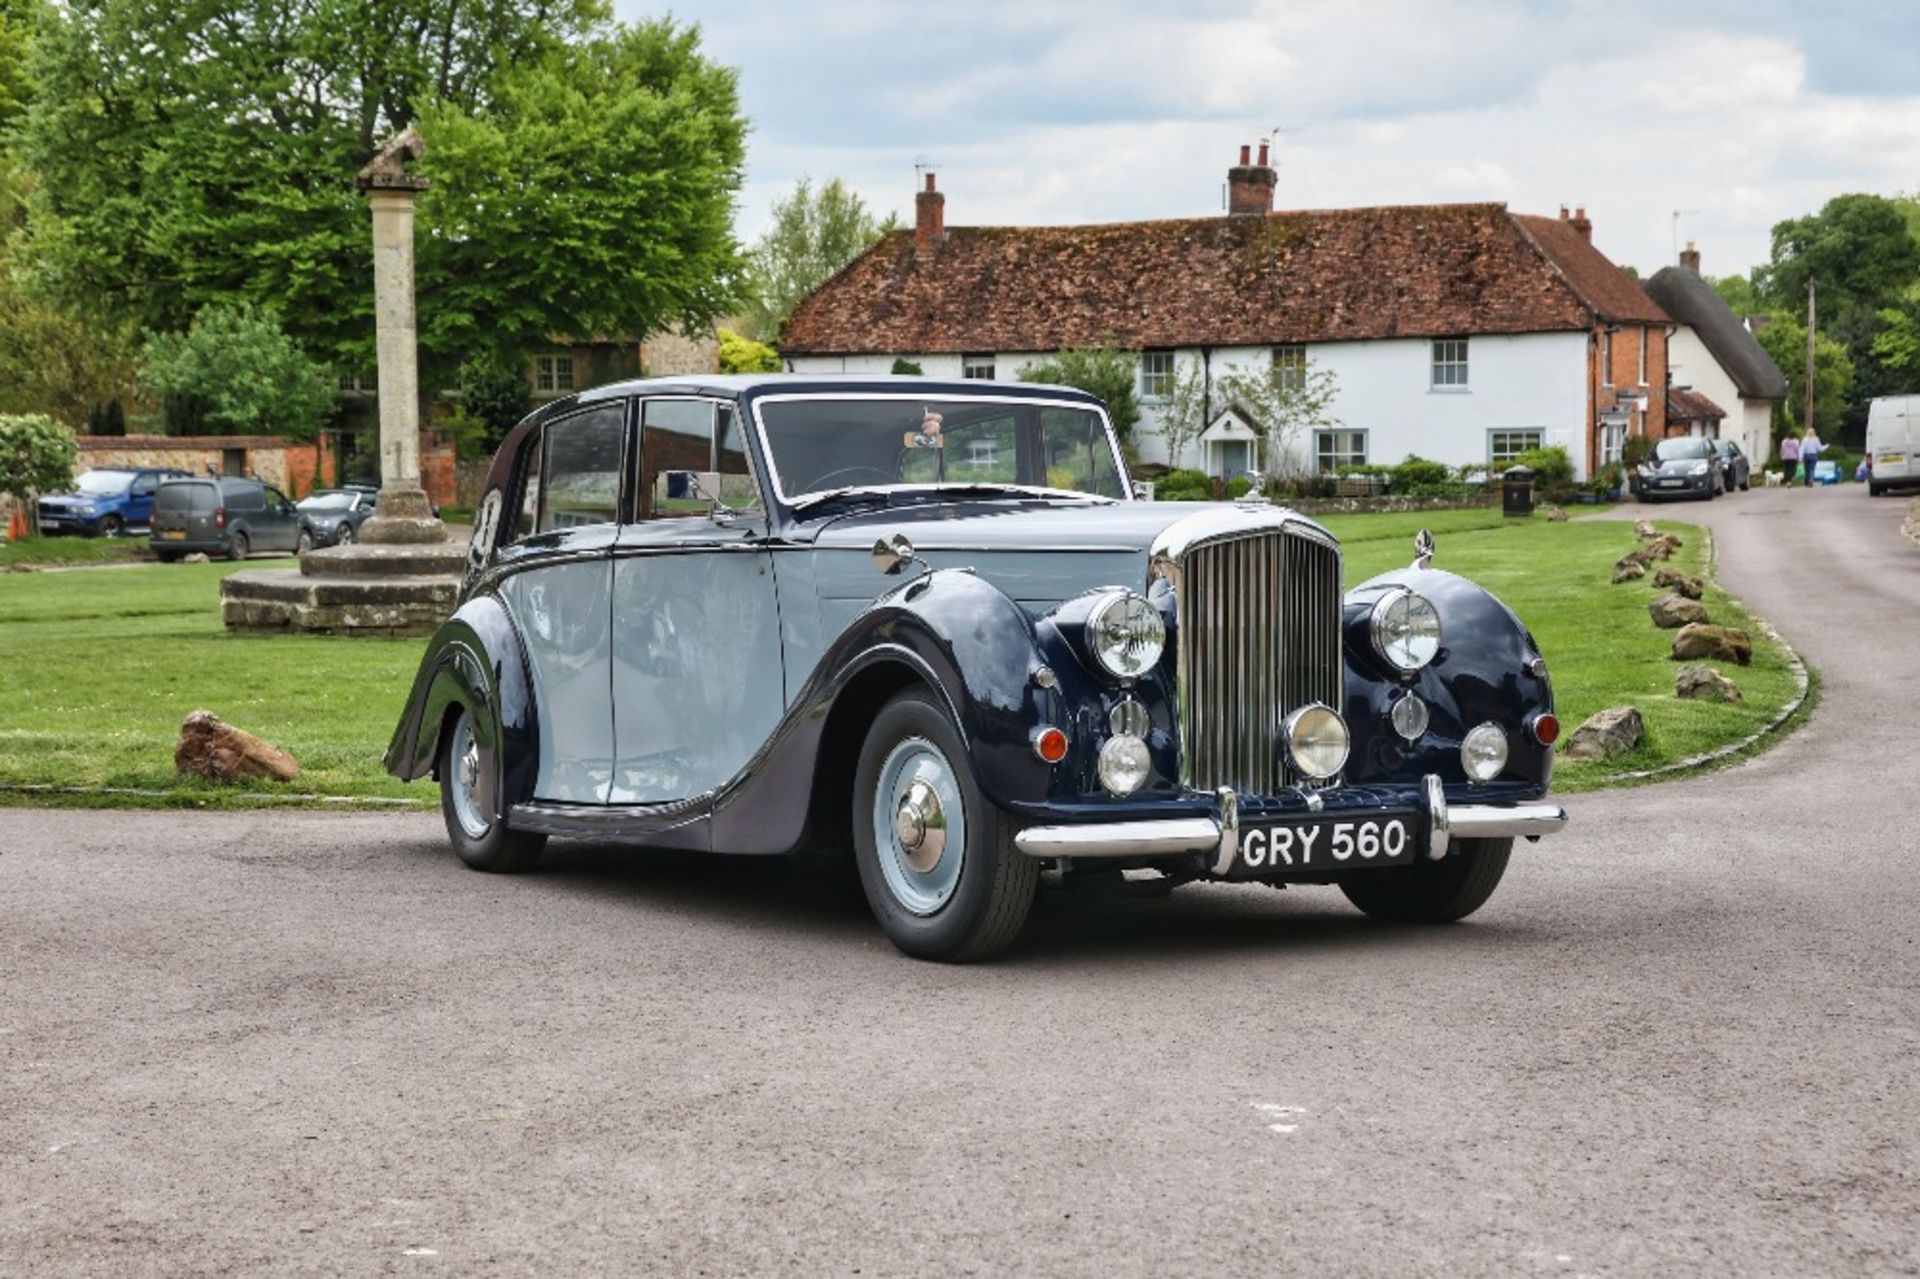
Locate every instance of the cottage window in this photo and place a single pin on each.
(1504, 446)
(977, 366)
(1290, 367)
(351, 382)
(1450, 364)
(1338, 450)
(1606, 358)
(553, 373)
(1156, 374)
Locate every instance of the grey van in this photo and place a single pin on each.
(225, 516)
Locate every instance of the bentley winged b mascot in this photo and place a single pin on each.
(930, 626)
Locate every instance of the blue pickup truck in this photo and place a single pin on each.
(105, 503)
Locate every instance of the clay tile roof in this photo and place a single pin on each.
(1684, 405)
(1683, 294)
(1328, 275)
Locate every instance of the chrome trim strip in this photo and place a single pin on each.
(908, 397)
(1439, 820)
(1520, 821)
(1165, 837)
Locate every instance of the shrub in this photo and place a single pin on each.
(1417, 473)
(244, 373)
(1239, 486)
(906, 368)
(36, 456)
(1552, 468)
(744, 355)
(1184, 486)
(493, 398)
(1636, 450)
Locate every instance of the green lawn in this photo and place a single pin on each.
(100, 667)
(50, 551)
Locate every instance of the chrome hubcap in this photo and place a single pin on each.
(919, 826)
(464, 786)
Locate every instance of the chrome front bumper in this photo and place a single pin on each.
(1221, 835)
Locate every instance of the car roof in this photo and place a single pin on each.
(745, 386)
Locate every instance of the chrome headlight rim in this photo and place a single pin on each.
(1124, 764)
(1291, 733)
(1377, 621)
(1135, 655)
(1486, 744)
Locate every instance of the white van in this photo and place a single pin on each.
(1893, 442)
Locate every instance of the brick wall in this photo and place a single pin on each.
(1615, 379)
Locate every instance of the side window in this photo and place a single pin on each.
(676, 458)
(580, 474)
(737, 487)
(1077, 453)
(527, 518)
(247, 497)
(278, 500)
(144, 486)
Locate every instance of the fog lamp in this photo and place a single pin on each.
(1124, 764)
(1484, 752)
(1317, 741)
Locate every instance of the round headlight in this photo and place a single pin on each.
(1406, 629)
(1126, 635)
(1484, 752)
(1410, 717)
(1123, 764)
(1317, 741)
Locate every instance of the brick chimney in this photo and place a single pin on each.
(1690, 257)
(1250, 185)
(1579, 221)
(929, 218)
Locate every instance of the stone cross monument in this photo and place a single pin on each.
(403, 514)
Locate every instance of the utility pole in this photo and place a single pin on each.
(1808, 421)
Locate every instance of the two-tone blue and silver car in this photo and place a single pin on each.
(929, 626)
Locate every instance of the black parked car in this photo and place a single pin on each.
(1685, 466)
(335, 515)
(225, 516)
(1736, 472)
(930, 627)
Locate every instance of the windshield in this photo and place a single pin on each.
(104, 483)
(825, 445)
(328, 502)
(1680, 450)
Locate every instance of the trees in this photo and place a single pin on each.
(744, 355)
(36, 456)
(1183, 415)
(1785, 339)
(1111, 374)
(1857, 248)
(189, 155)
(1288, 403)
(241, 374)
(814, 234)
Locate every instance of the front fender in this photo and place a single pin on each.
(1488, 669)
(475, 660)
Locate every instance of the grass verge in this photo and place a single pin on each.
(100, 668)
(60, 552)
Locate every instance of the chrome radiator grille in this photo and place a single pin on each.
(1258, 618)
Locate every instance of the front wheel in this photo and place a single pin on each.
(111, 526)
(468, 773)
(1433, 892)
(936, 858)
(303, 543)
(237, 547)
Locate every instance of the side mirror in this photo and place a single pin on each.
(890, 555)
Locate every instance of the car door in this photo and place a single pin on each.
(140, 499)
(556, 571)
(698, 685)
(285, 520)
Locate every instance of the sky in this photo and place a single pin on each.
(1735, 113)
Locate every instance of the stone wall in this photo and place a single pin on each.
(290, 467)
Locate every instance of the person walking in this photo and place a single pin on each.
(1789, 458)
(1809, 454)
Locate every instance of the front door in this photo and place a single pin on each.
(558, 572)
(697, 681)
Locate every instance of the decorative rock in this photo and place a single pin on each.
(1701, 642)
(211, 747)
(1679, 583)
(1556, 514)
(1627, 570)
(1645, 531)
(1662, 547)
(1705, 683)
(1606, 734)
(196, 557)
(1673, 611)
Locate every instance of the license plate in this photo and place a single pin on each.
(1323, 844)
(1890, 459)
(173, 535)
(1671, 484)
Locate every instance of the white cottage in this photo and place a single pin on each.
(1462, 333)
(1713, 353)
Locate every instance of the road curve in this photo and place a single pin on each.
(1681, 1038)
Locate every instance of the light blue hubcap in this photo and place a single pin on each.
(919, 826)
(464, 785)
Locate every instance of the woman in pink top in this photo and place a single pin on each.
(1789, 458)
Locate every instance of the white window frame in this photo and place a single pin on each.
(547, 373)
(1156, 381)
(1606, 358)
(1321, 451)
(1448, 366)
(1643, 355)
(976, 368)
(1497, 437)
(1290, 364)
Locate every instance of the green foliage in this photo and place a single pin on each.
(906, 368)
(594, 195)
(1184, 486)
(1857, 248)
(1183, 414)
(17, 19)
(36, 455)
(744, 355)
(495, 396)
(1105, 371)
(1417, 472)
(1785, 339)
(814, 234)
(1738, 293)
(1286, 407)
(1238, 487)
(1636, 449)
(242, 372)
(1897, 344)
(1551, 466)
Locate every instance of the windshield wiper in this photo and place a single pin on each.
(976, 489)
(852, 494)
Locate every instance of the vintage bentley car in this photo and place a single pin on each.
(930, 626)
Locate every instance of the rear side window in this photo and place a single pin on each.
(246, 497)
(185, 499)
(580, 474)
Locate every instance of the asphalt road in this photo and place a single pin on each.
(1683, 1037)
